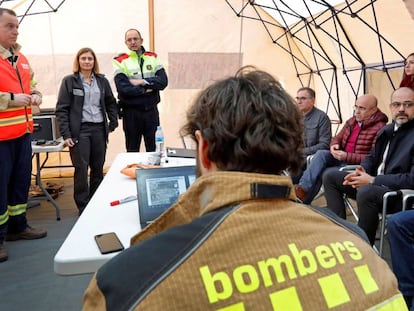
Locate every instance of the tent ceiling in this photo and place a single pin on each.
(31, 7)
(333, 43)
(291, 12)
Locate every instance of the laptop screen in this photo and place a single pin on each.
(159, 188)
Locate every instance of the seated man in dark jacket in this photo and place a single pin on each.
(352, 144)
(316, 122)
(317, 126)
(389, 166)
(236, 239)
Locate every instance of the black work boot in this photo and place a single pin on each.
(3, 252)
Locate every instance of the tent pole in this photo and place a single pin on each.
(151, 24)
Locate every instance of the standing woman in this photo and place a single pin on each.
(84, 105)
(408, 75)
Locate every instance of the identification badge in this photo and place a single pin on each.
(78, 92)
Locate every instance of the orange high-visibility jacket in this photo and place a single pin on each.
(15, 121)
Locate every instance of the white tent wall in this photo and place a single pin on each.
(202, 41)
(50, 41)
(338, 43)
(410, 6)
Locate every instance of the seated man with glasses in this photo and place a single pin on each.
(317, 126)
(389, 166)
(352, 144)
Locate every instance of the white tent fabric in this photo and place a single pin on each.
(341, 51)
(353, 47)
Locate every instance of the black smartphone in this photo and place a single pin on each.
(108, 243)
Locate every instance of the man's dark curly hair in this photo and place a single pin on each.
(251, 124)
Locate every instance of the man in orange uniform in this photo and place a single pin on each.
(17, 95)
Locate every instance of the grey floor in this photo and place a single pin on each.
(27, 280)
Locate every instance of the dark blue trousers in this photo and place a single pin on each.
(137, 123)
(15, 178)
(88, 153)
(369, 200)
(401, 238)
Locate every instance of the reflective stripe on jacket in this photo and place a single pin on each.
(130, 65)
(15, 121)
(143, 65)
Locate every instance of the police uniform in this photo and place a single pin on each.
(139, 103)
(238, 241)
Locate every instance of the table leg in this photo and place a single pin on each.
(39, 183)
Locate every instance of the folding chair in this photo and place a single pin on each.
(405, 195)
(350, 168)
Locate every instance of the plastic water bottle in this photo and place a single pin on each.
(159, 143)
(159, 140)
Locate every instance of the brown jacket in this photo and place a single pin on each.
(239, 241)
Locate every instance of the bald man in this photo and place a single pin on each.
(388, 167)
(352, 144)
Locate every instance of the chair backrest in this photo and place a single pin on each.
(405, 194)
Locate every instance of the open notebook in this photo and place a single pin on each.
(159, 188)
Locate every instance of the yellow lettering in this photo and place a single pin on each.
(285, 299)
(305, 261)
(334, 290)
(235, 307)
(218, 286)
(249, 278)
(354, 252)
(276, 266)
(325, 256)
(250, 282)
(368, 283)
(338, 248)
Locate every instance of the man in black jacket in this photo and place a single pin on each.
(139, 76)
(390, 166)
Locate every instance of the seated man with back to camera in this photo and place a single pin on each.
(389, 166)
(317, 126)
(237, 239)
(350, 146)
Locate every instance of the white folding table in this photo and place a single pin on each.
(79, 253)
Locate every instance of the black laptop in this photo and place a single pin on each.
(180, 152)
(159, 188)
